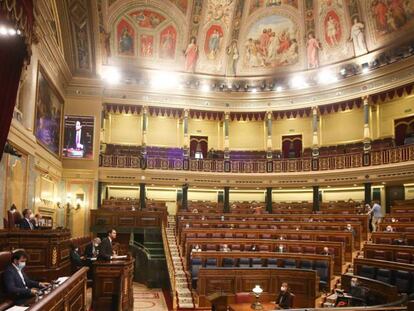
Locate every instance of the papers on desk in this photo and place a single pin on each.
(119, 257)
(61, 280)
(17, 308)
(92, 258)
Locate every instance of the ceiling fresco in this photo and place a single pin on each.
(243, 37)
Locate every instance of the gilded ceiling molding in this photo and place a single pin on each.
(82, 51)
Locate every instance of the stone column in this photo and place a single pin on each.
(186, 140)
(269, 145)
(184, 199)
(142, 195)
(367, 132)
(315, 198)
(315, 138)
(226, 207)
(367, 193)
(144, 129)
(226, 144)
(269, 200)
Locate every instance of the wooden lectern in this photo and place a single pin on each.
(218, 301)
(112, 285)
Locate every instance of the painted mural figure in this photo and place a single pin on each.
(312, 51)
(233, 55)
(146, 46)
(214, 44)
(332, 30)
(391, 15)
(126, 42)
(358, 38)
(167, 48)
(271, 43)
(191, 55)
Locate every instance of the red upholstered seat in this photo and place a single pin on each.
(244, 298)
(5, 259)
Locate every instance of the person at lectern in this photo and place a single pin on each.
(105, 248)
(26, 223)
(17, 284)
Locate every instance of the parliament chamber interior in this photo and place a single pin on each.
(206, 155)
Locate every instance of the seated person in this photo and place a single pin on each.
(284, 299)
(37, 221)
(357, 295)
(326, 251)
(16, 283)
(26, 222)
(75, 258)
(225, 248)
(389, 229)
(92, 249)
(350, 229)
(196, 248)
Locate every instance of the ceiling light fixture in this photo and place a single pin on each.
(279, 88)
(205, 87)
(111, 75)
(299, 82)
(164, 80)
(326, 77)
(365, 68)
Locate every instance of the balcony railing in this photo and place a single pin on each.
(334, 162)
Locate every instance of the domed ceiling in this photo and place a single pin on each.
(247, 37)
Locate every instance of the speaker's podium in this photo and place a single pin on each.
(112, 285)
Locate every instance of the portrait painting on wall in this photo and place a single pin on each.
(168, 41)
(332, 26)
(147, 18)
(49, 110)
(78, 138)
(125, 38)
(213, 42)
(391, 15)
(271, 42)
(147, 45)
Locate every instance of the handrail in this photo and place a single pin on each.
(142, 247)
(170, 266)
(322, 163)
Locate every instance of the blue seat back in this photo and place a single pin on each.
(211, 262)
(403, 281)
(256, 262)
(244, 262)
(321, 268)
(289, 263)
(272, 262)
(367, 272)
(383, 275)
(228, 262)
(306, 264)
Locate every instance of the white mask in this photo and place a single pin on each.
(21, 265)
(283, 288)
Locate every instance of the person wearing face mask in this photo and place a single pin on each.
(284, 299)
(17, 284)
(26, 223)
(92, 249)
(75, 258)
(350, 229)
(358, 293)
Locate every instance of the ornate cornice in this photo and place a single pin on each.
(402, 172)
(382, 79)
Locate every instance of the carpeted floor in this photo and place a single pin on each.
(148, 299)
(144, 298)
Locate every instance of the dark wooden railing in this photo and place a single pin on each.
(322, 163)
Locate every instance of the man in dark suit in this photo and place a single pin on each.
(16, 283)
(26, 222)
(92, 249)
(105, 249)
(284, 300)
